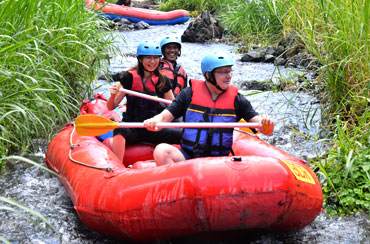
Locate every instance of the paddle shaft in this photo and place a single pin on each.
(174, 125)
(95, 125)
(149, 97)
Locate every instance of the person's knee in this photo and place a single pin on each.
(161, 150)
(167, 154)
(162, 153)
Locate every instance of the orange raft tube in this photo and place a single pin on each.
(152, 17)
(262, 187)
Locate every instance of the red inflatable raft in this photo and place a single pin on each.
(262, 187)
(152, 17)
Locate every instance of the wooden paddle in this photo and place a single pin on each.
(96, 125)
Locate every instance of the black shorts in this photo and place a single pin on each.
(187, 155)
(138, 135)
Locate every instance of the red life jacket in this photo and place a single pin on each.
(138, 84)
(203, 142)
(140, 109)
(178, 76)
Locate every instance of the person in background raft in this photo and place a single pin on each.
(212, 100)
(146, 78)
(124, 2)
(171, 50)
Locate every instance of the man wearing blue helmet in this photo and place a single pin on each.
(171, 50)
(146, 78)
(212, 100)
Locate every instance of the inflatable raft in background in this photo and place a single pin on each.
(262, 187)
(152, 17)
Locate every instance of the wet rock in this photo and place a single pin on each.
(305, 60)
(142, 25)
(269, 58)
(202, 29)
(256, 85)
(124, 24)
(280, 61)
(264, 54)
(288, 52)
(121, 24)
(123, 21)
(253, 56)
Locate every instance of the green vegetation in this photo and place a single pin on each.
(194, 6)
(253, 21)
(336, 32)
(50, 51)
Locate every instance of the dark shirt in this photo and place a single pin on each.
(126, 82)
(178, 107)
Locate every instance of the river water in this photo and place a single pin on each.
(297, 119)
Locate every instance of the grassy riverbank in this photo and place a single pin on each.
(337, 34)
(50, 51)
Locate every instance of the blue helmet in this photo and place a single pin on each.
(210, 62)
(148, 48)
(168, 39)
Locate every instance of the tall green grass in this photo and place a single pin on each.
(50, 51)
(337, 33)
(194, 6)
(253, 21)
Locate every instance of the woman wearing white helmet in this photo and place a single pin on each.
(171, 50)
(146, 78)
(212, 100)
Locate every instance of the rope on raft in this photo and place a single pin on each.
(78, 162)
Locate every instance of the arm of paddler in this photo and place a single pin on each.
(116, 96)
(169, 95)
(266, 122)
(164, 116)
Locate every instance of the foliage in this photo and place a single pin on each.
(194, 6)
(49, 53)
(347, 170)
(337, 33)
(254, 21)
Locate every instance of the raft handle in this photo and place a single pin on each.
(237, 158)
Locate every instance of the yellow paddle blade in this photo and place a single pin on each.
(247, 129)
(93, 125)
